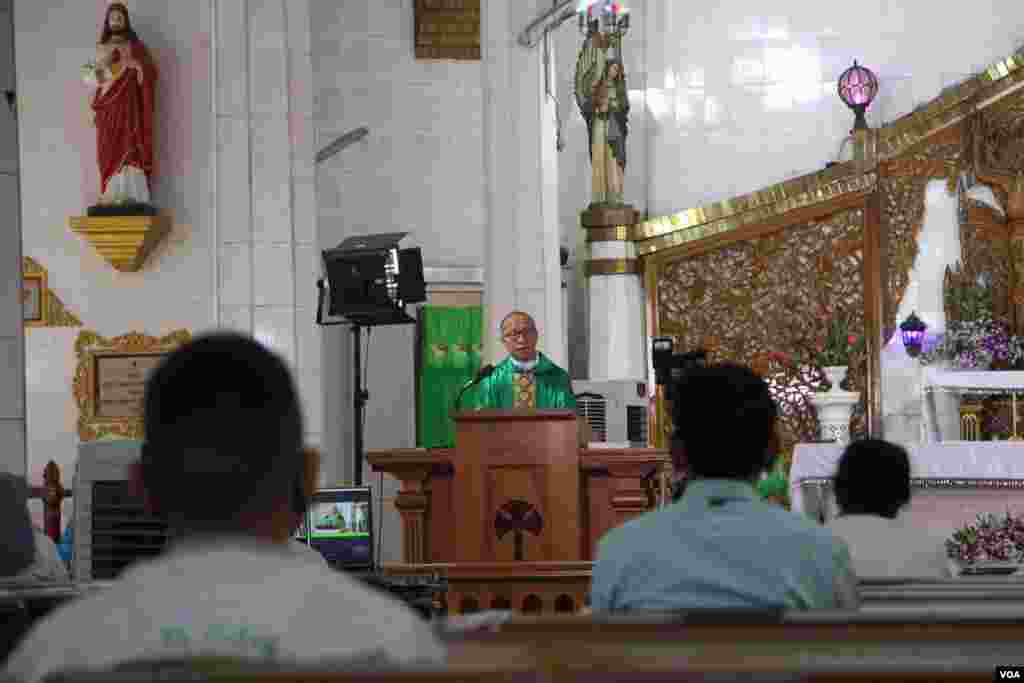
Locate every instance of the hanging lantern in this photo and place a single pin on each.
(912, 331)
(858, 87)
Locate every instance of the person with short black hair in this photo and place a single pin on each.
(872, 485)
(223, 453)
(720, 545)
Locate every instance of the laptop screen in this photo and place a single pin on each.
(339, 526)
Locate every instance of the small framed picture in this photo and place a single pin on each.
(33, 300)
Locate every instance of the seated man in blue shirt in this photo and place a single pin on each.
(720, 545)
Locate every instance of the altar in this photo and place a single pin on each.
(951, 482)
(981, 382)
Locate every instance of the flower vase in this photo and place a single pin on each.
(836, 375)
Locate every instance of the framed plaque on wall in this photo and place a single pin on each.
(110, 381)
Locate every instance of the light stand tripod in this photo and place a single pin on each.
(359, 394)
(359, 398)
(369, 282)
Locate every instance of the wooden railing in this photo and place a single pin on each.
(52, 493)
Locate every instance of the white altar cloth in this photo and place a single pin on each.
(953, 460)
(961, 382)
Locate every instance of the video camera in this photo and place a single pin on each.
(669, 366)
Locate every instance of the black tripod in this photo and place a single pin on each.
(359, 398)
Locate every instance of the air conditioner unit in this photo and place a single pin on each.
(112, 528)
(616, 410)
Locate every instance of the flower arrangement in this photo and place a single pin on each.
(839, 344)
(974, 337)
(978, 343)
(835, 345)
(989, 539)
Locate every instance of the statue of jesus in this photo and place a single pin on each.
(125, 77)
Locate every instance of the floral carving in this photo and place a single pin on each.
(902, 217)
(760, 297)
(983, 253)
(1001, 136)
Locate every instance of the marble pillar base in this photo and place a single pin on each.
(617, 321)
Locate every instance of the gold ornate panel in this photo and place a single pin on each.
(902, 215)
(749, 299)
(42, 308)
(109, 380)
(447, 29)
(983, 252)
(999, 140)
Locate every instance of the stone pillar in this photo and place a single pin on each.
(12, 336)
(616, 296)
(522, 268)
(264, 198)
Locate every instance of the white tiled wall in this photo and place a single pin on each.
(420, 170)
(265, 205)
(12, 360)
(522, 266)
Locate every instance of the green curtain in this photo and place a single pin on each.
(450, 357)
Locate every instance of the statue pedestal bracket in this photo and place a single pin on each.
(124, 241)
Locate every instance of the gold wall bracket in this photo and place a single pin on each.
(124, 241)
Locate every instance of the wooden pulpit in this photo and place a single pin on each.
(516, 487)
(512, 515)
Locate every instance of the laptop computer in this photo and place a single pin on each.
(339, 525)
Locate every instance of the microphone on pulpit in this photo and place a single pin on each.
(481, 375)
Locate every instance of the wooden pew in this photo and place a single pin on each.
(894, 646)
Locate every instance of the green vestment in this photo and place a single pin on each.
(554, 389)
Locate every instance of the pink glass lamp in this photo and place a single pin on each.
(858, 87)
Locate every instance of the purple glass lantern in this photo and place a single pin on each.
(912, 330)
(858, 87)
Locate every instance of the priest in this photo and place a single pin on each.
(526, 379)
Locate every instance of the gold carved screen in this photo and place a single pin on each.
(761, 296)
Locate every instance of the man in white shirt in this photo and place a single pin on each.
(872, 484)
(222, 455)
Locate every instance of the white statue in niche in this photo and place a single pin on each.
(938, 247)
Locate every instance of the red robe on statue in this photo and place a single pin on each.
(124, 115)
